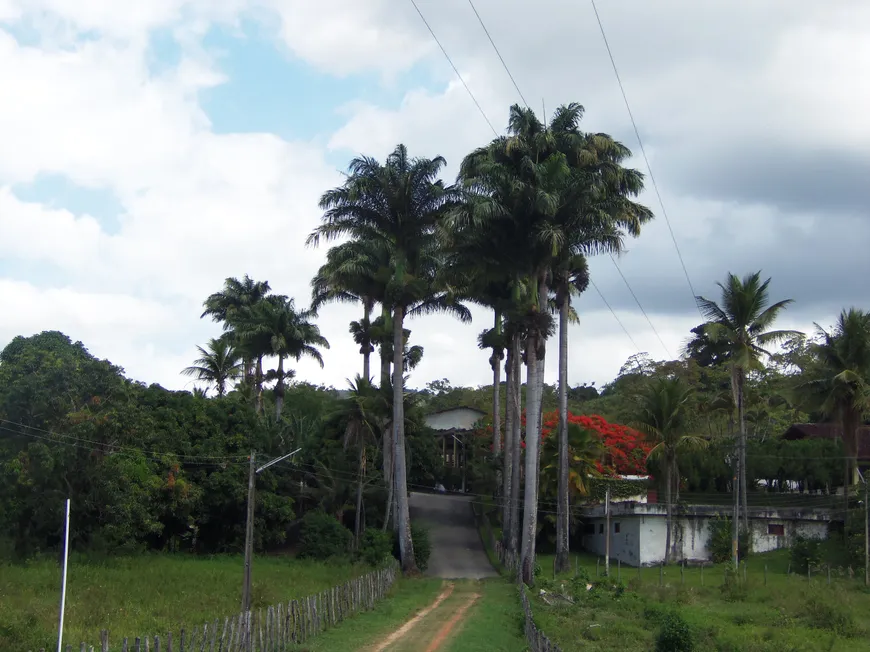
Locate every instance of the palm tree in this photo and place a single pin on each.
(840, 383)
(584, 450)
(218, 364)
(275, 327)
(663, 414)
(224, 306)
(397, 204)
(742, 322)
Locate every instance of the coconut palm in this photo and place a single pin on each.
(662, 413)
(742, 322)
(218, 363)
(839, 384)
(397, 204)
(274, 327)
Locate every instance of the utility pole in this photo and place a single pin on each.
(607, 532)
(63, 581)
(249, 535)
(249, 526)
(735, 520)
(866, 527)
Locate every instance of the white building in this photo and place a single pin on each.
(638, 531)
(452, 426)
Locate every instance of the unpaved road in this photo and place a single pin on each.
(457, 552)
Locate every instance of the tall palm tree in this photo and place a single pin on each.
(662, 413)
(277, 328)
(742, 322)
(398, 204)
(840, 383)
(218, 363)
(224, 306)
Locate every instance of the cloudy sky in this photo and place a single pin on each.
(151, 149)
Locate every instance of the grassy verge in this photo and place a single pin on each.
(145, 595)
(495, 622)
(784, 613)
(407, 597)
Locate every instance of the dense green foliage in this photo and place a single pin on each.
(323, 536)
(674, 635)
(719, 543)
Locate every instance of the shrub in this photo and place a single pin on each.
(323, 536)
(422, 547)
(375, 546)
(675, 634)
(805, 553)
(837, 618)
(720, 541)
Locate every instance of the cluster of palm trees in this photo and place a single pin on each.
(257, 325)
(512, 234)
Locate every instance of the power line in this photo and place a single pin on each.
(645, 158)
(495, 47)
(455, 69)
(637, 301)
(619, 321)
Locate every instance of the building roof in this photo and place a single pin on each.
(455, 407)
(829, 431)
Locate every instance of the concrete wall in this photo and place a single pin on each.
(460, 419)
(641, 538)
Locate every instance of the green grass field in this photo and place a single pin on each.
(787, 614)
(145, 595)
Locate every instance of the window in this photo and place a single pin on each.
(776, 529)
(616, 528)
(601, 528)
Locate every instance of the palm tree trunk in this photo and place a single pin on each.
(279, 389)
(367, 351)
(563, 561)
(496, 391)
(533, 441)
(741, 416)
(406, 545)
(669, 505)
(259, 381)
(516, 442)
(387, 438)
(357, 519)
(508, 457)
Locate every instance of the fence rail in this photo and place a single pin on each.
(277, 628)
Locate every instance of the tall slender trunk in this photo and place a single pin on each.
(496, 390)
(563, 507)
(508, 457)
(516, 443)
(669, 505)
(259, 383)
(279, 389)
(357, 520)
(387, 437)
(406, 545)
(741, 419)
(533, 441)
(367, 346)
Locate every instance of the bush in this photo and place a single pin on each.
(675, 634)
(821, 614)
(422, 547)
(375, 547)
(720, 541)
(806, 553)
(323, 536)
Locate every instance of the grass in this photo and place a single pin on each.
(495, 622)
(145, 595)
(787, 614)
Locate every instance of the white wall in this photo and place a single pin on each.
(460, 418)
(642, 537)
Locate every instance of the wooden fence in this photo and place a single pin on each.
(277, 628)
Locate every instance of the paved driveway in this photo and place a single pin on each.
(457, 551)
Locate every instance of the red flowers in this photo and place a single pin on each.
(625, 448)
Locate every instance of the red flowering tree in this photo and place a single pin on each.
(626, 449)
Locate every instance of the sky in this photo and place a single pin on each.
(152, 149)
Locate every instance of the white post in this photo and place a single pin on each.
(63, 582)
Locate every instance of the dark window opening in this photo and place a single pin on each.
(616, 528)
(776, 529)
(601, 528)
